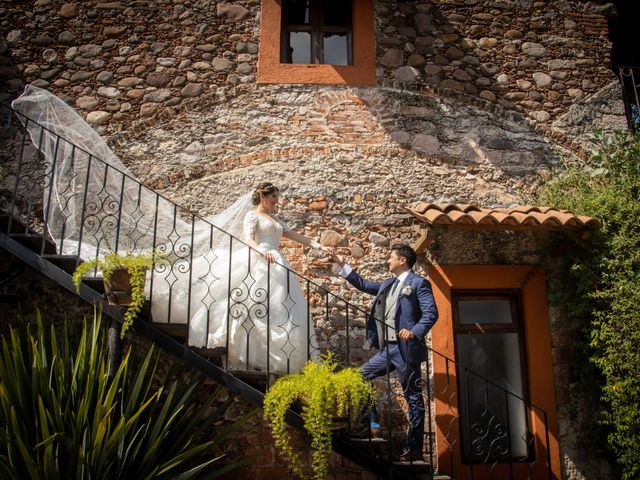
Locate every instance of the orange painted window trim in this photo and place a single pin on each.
(362, 72)
(531, 282)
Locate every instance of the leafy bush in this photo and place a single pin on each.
(62, 417)
(606, 275)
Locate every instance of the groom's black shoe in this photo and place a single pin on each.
(411, 455)
(365, 431)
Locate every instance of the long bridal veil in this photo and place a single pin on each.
(91, 192)
(93, 204)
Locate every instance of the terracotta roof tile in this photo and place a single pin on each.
(519, 217)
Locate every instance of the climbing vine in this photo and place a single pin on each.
(605, 284)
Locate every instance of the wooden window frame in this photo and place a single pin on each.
(316, 30)
(361, 72)
(514, 296)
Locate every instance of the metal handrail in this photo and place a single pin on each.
(630, 80)
(25, 201)
(186, 210)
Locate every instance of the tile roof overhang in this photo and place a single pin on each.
(514, 218)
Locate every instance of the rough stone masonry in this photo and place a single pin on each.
(476, 102)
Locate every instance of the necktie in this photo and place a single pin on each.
(394, 287)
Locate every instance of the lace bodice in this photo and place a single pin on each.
(264, 231)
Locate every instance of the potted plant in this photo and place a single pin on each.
(323, 392)
(124, 279)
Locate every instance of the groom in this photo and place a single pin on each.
(403, 312)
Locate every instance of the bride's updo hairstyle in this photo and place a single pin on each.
(265, 188)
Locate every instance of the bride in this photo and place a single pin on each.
(260, 314)
(239, 295)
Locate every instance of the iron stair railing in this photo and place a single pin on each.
(337, 324)
(630, 80)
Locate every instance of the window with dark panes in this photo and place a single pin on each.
(317, 31)
(489, 348)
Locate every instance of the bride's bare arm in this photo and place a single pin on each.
(296, 237)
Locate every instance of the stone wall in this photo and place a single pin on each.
(476, 101)
(534, 57)
(349, 145)
(602, 110)
(117, 61)
(121, 61)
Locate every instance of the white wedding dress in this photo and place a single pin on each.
(258, 313)
(227, 293)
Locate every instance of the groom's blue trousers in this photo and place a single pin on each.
(386, 361)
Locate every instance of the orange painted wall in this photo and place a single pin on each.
(362, 72)
(531, 281)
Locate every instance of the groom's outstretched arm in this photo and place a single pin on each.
(362, 284)
(354, 279)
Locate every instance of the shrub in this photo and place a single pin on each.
(323, 393)
(605, 271)
(62, 416)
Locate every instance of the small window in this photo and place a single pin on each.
(325, 42)
(317, 32)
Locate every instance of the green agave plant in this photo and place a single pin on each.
(63, 417)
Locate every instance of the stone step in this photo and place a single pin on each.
(415, 465)
(95, 283)
(175, 330)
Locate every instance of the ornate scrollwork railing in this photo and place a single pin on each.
(630, 80)
(252, 324)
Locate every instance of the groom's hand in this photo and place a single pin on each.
(405, 334)
(339, 259)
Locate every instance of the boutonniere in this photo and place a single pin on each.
(406, 291)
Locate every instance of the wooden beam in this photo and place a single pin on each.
(424, 241)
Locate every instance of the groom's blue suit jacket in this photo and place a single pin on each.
(416, 311)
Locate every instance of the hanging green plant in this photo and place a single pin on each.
(113, 265)
(323, 394)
